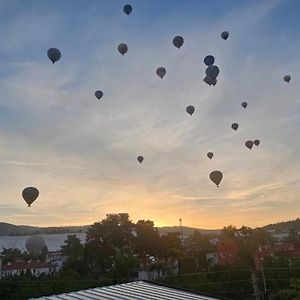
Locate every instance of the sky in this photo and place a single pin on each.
(81, 153)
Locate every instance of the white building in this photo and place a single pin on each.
(56, 259)
(212, 258)
(35, 267)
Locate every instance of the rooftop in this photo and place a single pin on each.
(139, 290)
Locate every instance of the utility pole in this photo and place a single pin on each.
(255, 286)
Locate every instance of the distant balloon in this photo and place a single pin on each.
(212, 71)
(178, 41)
(209, 60)
(210, 155)
(54, 54)
(190, 109)
(249, 144)
(35, 244)
(122, 48)
(210, 81)
(161, 72)
(140, 159)
(216, 177)
(244, 104)
(225, 35)
(99, 94)
(256, 142)
(287, 78)
(235, 126)
(127, 9)
(30, 194)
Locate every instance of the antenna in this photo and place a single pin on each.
(181, 232)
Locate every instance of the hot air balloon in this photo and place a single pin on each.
(216, 177)
(244, 104)
(161, 72)
(127, 9)
(225, 35)
(210, 81)
(122, 48)
(210, 155)
(140, 159)
(287, 78)
(212, 71)
(99, 94)
(190, 109)
(30, 194)
(34, 244)
(54, 54)
(178, 41)
(209, 60)
(249, 144)
(235, 126)
(256, 142)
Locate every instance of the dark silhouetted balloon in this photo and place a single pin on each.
(225, 35)
(34, 244)
(210, 155)
(190, 109)
(127, 9)
(209, 60)
(212, 71)
(287, 78)
(178, 41)
(256, 142)
(249, 144)
(99, 94)
(210, 81)
(122, 48)
(161, 72)
(30, 194)
(235, 126)
(216, 177)
(54, 54)
(244, 104)
(140, 159)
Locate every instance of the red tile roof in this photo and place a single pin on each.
(21, 265)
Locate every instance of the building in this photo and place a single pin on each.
(212, 258)
(139, 290)
(56, 259)
(35, 267)
(227, 251)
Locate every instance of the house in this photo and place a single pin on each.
(56, 259)
(227, 252)
(212, 258)
(287, 249)
(35, 267)
(133, 290)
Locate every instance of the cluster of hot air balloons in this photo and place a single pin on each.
(30, 194)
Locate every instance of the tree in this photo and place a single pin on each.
(11, 255)
(147, 238)
(228, 231)
(170, 245)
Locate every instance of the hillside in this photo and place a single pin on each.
(187, 230)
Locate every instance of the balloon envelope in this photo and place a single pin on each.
(209, 60)
(287, 78)
(216, 177)
(244, 104)
(212, 71)
(256, 142)
(140, 159)
(30, 194)
(178, 41)
(161, 72)
(34, 244)
(249, 144)
(54, 54)
(190, 109)
(122, 48)
(235, 126)
(210, 155)
(225, 35)
(99, 94)
(127, 9)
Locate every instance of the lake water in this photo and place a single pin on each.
(53, 241)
